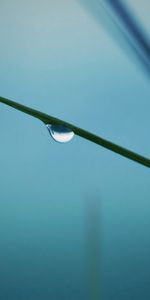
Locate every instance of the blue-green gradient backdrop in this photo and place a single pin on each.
(56, 57)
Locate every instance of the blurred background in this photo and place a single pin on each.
(73, 212)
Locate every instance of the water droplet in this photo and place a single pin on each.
(60, 133)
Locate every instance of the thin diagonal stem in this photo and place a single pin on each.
(47, 119)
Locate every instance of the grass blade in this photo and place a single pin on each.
(47, 119)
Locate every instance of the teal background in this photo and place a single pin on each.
(56, 57)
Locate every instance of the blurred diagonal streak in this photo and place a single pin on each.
(120, 22)
(136, 33)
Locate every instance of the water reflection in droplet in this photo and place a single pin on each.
(60, 133)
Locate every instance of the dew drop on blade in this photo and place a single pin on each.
(60, 133)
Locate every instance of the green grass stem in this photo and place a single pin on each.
(47, 119)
